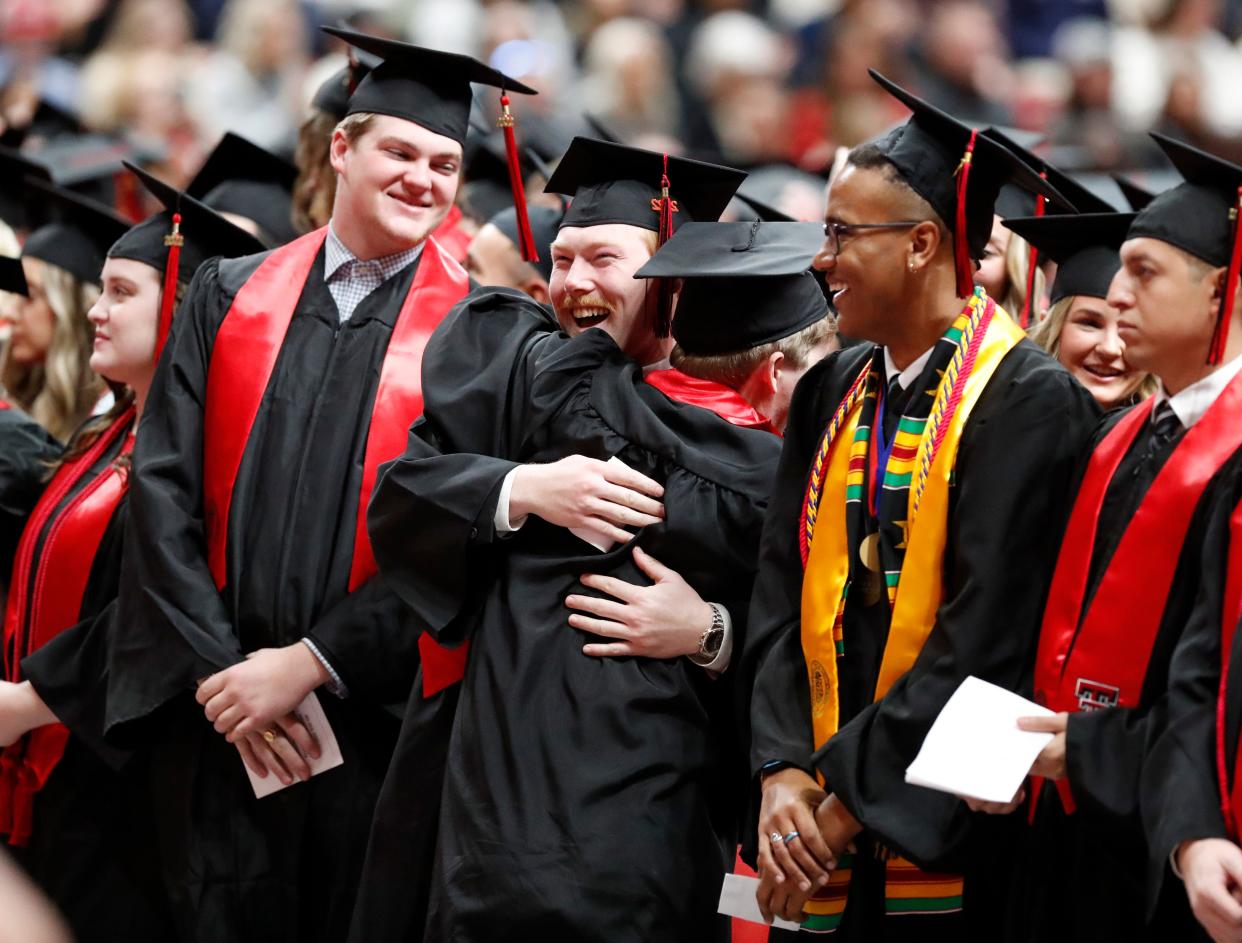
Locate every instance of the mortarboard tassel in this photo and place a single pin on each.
(526, 240)
(1032, 263)
(1217, 351)
(961, 247)
(174, 240)
(664, 310)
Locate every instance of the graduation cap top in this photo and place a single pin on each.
(426, 86)
(1138, 197)
(1085, 248)
(763, 211)
(956, 169)
(615, 183)
(1016, 200)
(76, 233)
(544, 223)
(244, 179)
(745, 284)
(13, 276)
(332, 96)
(1200, 216)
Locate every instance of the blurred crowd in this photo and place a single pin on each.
(751, 84)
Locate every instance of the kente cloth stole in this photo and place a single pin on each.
(1098, 658)
(244, 355)
(50, 575)
(722, 400)
(908, 547)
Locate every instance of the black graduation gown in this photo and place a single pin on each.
(1082, 876)
(1016, 458)
(91, 849)
(26, 453)
(584, 798)
(284, 867)
(1180, 793)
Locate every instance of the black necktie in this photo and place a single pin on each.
(1162, 429)
(894, 402)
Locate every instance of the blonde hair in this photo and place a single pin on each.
(315, 188)
(1047, 334)
(734, 369)
(1017, 269)
(354, 126)
(60, 392)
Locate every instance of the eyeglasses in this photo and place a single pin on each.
(834, 231)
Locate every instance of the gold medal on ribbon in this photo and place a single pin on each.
(869, 552)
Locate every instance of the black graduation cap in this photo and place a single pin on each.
(13, 276)
(745, 284)
(332, 96)
(1200, 216)
(15, 198)
(485, 172)
(177, 240)
(614, 183)
(763, 211)
(1017, 200)
(544, 223)
(426, 86)
(1085, 248)
(75, 231)
(244, 179)
(48, 121)
(956, 169)
(1138, 197)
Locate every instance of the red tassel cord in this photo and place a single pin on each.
(961, 247)
(664, 312)
(1032, 264)
(526, 239)
(1220, 336)
(174, 240)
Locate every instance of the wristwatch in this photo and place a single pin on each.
(711, 639)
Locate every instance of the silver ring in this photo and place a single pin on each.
(790, 837)
(775, 838)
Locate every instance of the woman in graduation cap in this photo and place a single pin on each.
(45, 367)
(1081, 328)
(80, 827)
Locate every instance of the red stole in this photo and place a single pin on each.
(1103, 662)
(242, 361)
(35, 615)
(724, 401)
(1231, 614)
(452, 238)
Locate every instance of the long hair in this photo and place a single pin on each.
(60, 392)
(1047, 334)
(315, 187)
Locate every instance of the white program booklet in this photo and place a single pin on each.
(310, 712)
(975, 748)
(599, 541)
(737, 899)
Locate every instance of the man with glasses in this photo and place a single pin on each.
(908, 544)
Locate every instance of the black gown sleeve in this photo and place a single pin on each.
(1014, 468)
(27, 451)
(431, 520)
(1180, 791)
(172, 625)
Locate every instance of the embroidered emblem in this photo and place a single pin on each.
(1094, 696)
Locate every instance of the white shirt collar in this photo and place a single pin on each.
(1190, 404)
(911, 373)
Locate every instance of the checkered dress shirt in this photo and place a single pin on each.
(350, 279)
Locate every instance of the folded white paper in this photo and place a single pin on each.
(600, 541)
(975, 748)
(310, 712)
(737, 899)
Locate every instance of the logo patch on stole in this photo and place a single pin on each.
(819, 688)
(1094, 695)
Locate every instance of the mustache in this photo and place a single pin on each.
(590, 301)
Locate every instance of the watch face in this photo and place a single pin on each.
(711, 644)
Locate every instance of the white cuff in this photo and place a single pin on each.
(720, 663)
(501, 521)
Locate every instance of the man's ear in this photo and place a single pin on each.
(775, 366)
(537, 288)
(337, 149)
(1218, 286)
(925, 240)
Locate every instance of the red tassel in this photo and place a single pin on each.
(1220, 336)
(664, 311)
(961, 248)
(526, 239)
(174, 240)
(1031, 264)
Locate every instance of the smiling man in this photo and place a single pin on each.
(288, 378)
(907, 543)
